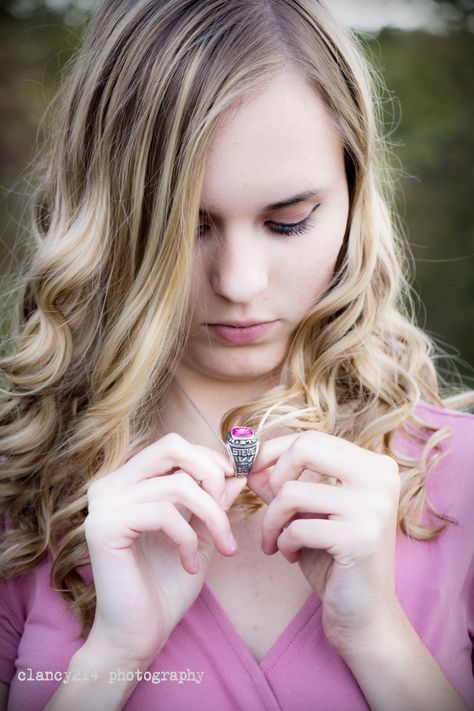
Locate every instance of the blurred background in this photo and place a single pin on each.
(424, 52)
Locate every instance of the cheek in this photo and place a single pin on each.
(313, 267)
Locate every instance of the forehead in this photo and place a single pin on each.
(272, 144)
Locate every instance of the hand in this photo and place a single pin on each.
(147, 522)
(342, 536)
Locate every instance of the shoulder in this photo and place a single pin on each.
(458, 426)
(450, 474)
(18, 592)
(443, 414)
(459, 440)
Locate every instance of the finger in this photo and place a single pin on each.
(118, 529)
(223, 460)
(215, 486)
(320, 453)
(270, 450)
(171, 451)
(233, 487)
(317, 533)
(259, 483)
(162, 457)
(179, 489)
(297, 497)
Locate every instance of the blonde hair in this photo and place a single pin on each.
(102, 314)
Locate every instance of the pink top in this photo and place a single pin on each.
(206, 665)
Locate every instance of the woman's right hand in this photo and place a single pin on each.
(147, 523)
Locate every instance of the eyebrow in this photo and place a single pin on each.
(300, 197)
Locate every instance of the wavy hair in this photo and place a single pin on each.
(101, 318)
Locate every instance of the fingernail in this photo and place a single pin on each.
(232, 543)
(196, 562)
(266, 548)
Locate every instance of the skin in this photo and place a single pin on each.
(277, 144)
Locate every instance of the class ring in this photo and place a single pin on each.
(242, 444)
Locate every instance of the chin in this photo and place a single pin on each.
(239, 363)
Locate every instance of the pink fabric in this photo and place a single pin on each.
(435, 584)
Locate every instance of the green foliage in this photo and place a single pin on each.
(430, 80)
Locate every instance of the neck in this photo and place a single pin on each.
(217, 393)
(213, 397)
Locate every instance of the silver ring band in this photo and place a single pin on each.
(242, 444)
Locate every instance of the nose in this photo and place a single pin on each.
(239, 268)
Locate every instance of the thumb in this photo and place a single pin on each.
(206, 544)
(259, 483)
(233, 486)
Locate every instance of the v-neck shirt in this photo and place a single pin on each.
(206, 665)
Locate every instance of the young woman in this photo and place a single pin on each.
(219, 164)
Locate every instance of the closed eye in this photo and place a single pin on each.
(293, 228)
(283, 228)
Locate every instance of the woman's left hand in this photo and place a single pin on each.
(342, 536)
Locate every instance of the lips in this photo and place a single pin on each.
(239, 324)
(240, 334)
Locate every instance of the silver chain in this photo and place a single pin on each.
(200, 414)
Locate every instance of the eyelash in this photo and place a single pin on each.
(296, 228)
(287, 229)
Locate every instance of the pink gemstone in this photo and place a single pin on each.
(242, 432)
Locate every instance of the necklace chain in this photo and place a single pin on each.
(219, 438)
